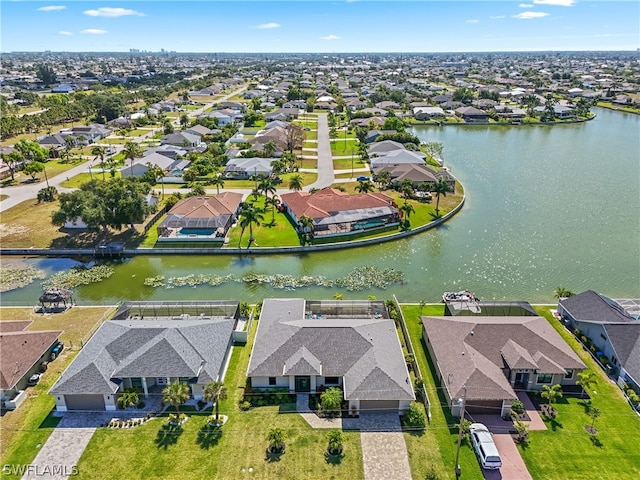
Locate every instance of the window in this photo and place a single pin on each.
(568, 373)
(544, 378)
(331, 380)
(272, 380)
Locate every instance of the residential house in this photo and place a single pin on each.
(337, 213)
(486, 359)
(188, 141)
(397, 157)
(200, 218)
(472, 115)
(241, 168)
(140, 166)
(307, 346)
(428, 113)
(283, 114)
(21, 355)
(64, 88)
(614, 332)
(147, 346)
(421, 175)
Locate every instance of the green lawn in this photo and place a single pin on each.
(241, 445)
(345, 164)
(437, 446)
(267, 235)
(340, 148)
(565, 450)
(82, 178)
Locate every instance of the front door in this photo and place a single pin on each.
(303, 384)
(522, 378)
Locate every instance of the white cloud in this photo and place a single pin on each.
(51, 8)
(268, 26)
(473, 21)
(64, 33)
(331, 37)
(525, 5)
(93, 31)
(112, 12)
(497, 17)
(530, 15)
(557, 3)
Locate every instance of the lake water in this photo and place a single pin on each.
(546, 207)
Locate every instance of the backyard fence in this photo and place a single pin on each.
(421, 390)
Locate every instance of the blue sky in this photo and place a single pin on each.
(320, 26)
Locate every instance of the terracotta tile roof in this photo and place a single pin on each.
(207, 207)
(328, 201)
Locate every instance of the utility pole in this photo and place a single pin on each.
(464, 398)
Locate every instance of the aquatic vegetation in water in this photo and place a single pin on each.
(79, 275)
(360, 278)
(13, 277)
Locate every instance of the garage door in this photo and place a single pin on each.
(488, 407)
(84, 402)
(378, 405)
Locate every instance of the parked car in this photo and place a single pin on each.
(484, 446)
(34, 379)
(57, 350)
(362, 178)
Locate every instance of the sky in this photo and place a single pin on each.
(319, 26)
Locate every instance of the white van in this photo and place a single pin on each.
(485, 448)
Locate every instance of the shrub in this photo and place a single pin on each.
(245, 405)
(517, 407)
(432, 474)
(415, 417)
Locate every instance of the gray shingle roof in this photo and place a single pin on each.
(366, 352)
(590, 306)
(151, 348)
(472, 351)
(626, 342)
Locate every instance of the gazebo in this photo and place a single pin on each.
(54, 296)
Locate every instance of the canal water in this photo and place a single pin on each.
(546, 207)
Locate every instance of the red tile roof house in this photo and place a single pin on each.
(200, 219)
(21, 355)
(493, 356)
(336, 213)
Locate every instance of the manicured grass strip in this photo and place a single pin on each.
(565, 450)
(345, 163)
(438, 445)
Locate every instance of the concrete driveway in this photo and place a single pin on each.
(513, 467)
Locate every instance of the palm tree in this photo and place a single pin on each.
(295, 183)
(335, 442)
(407, 209)
(440, 188)
(274, 202)
(184, 121)
(561, 292)
(383, 178)
(269, 149)
(129, 398)
(217, 182)
(267, 186)
(250, 215)
(132, 151)
(275, 437)
(551, 393)
(594, 413)
(406, 187)
(531, 101)
(176, 394)
(214, 392)
(365, 186)
(586, 380)
(100, 153)
(305, 226)
(549, 112)
(331, 400)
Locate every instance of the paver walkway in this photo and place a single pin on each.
(384, 452)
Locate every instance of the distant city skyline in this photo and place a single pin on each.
(320, 26)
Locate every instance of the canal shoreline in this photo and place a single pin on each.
(131, 252)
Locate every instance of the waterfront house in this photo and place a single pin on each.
(613, 331)
(306, 346)
(336, 213)
(493, 356)
(200, 218)
(21, 355)
(147, 346)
